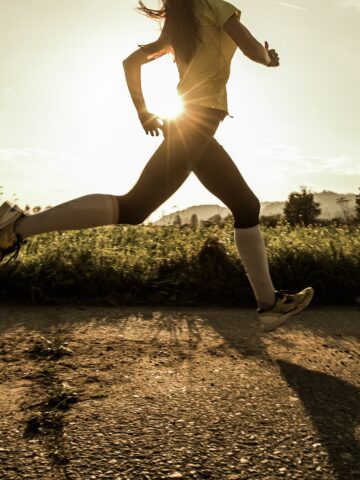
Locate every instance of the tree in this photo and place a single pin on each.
(357, 206)
(194, 221)
(177, 221)
(301, 208)
(343, 203)
(215, 220)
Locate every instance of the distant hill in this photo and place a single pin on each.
(328, 202)
(203, 212)
(330, 209)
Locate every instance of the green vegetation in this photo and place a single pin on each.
(49, 348)
(301, 208)
(179, 265)
(46, 417)
(357, 206)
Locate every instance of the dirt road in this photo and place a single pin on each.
(146, 393)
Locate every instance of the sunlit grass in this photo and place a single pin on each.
(185, 265)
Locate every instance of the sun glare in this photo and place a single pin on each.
(170, 108)
(159, 82)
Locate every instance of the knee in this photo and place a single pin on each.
(130, 213)
(132, 219)
(248, 215)
(256, 207)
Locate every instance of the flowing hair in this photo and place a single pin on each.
(180, 30)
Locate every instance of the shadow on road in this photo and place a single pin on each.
(334, 409)
(332, 404)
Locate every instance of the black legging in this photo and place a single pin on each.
(188, 147)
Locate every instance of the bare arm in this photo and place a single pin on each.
(132, 67)
(249, 45)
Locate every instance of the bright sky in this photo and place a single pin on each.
(68, 127)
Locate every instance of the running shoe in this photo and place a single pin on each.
(286, 305)
(10, 242)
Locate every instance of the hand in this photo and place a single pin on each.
(150, 123)
(274, 57)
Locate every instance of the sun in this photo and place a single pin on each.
(160, 79)
(169, 108)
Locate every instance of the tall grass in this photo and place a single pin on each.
(178, 265)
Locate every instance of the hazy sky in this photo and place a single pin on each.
(67, 125)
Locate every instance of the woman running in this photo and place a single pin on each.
(203, 36)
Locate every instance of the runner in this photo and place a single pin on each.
(203, 36)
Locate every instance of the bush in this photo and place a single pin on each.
(271, 220)
(172, 265)
(301, 208)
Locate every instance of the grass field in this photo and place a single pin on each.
(179, 265)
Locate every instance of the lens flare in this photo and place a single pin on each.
(160, 79)
(170, 109)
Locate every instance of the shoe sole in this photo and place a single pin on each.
(286, 316)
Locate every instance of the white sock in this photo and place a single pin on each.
(251, 247)
(84, 212)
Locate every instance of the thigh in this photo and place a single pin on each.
(219, 174)
(160, 178)
(188, 136)
(185, 141)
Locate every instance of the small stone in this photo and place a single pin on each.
(175, 475)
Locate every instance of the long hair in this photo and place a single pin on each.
(180, 30)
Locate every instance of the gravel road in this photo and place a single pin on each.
(178, 393)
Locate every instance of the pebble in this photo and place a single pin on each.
(157, 439)
(176, 475)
